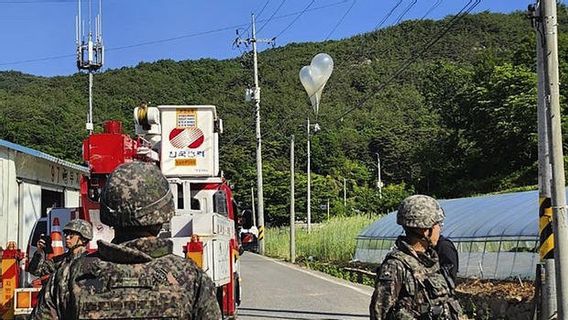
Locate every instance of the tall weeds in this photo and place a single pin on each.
(333, 240)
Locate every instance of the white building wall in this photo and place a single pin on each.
(8, 198)
(22, 177)
(30, 197)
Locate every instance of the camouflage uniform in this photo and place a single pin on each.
(140, 278)
(53, 294)
(409, 284)
(40, 266)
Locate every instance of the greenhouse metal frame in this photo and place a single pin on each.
(496, 235)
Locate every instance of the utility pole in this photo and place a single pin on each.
(256, 96)
(379, 182)
(309, 204)
(316, 128)
(90, 53)
(292, 209)
(558, 191)
(546, 248)
(327, 209)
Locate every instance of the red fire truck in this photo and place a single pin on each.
(184, 142)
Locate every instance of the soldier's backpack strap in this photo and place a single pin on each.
(409, 263)
(433, 286)
(412, 266)
(105, 290)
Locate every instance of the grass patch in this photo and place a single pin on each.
(331, 241)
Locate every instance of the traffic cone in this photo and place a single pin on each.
(56, 239)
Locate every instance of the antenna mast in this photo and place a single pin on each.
(90, 50)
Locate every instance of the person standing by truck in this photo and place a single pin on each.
(77, 234)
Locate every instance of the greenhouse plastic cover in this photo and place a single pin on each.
(502, 216)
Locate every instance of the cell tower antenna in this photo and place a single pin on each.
(90, 50)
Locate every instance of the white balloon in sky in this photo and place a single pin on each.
(309, 80)
(315, 76)
(323, 63)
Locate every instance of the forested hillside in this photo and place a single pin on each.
(460, 120)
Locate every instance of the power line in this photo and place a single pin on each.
(38, 2)
(190, 35)
(140, 44)
(295, 19)
(261, 11)
(241, 132)
(385, 18)
(286, 121)
(270, 134)
(432, 8)
(379, 25)
(298, 14)
(410, 5)
(257, 15)
(462, 13)
(272, 16)
(38, 59)
(341, 20)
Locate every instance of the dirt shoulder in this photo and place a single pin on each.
(480, 299)
(495, 299)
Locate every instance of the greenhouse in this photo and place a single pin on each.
(496, 236)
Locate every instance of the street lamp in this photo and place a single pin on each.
(379, 182)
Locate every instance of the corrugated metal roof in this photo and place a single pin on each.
(42, 155)
(502, 216)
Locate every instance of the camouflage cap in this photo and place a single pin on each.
(136, 194)
(419, 211)
(82, 227)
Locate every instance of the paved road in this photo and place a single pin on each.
(278, 290)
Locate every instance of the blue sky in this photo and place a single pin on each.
(137, 31)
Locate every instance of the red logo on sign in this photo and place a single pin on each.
(191, 137)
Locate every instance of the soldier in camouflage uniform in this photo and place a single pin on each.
(77, 233)
(137, 275)
(409, 283)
